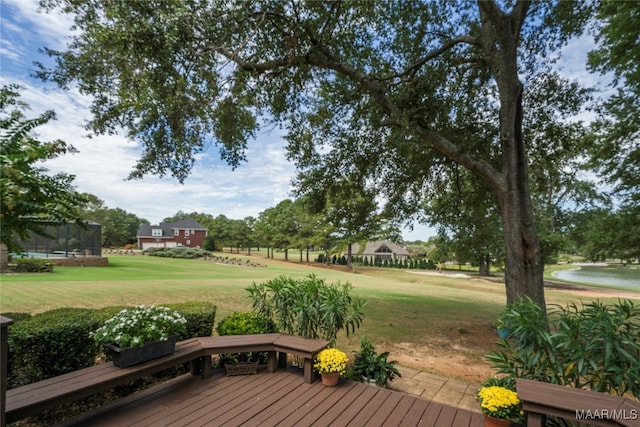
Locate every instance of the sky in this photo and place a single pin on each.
(103, 162)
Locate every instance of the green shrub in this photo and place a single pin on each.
(186, 253)
(369, 365)
(59, 341)
(308, 307)
(200, 317)
(17, 317)
(245, 323)
(32, 265)
(50, 344)
(595, 346)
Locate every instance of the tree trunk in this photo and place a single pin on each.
(485, 265)
(500, 39)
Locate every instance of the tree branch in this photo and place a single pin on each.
(449, 44)
(321, 57)
(253, 67)
(489, 174)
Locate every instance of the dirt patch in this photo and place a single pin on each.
(458, 353)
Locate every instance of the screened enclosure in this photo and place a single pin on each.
(66, 240)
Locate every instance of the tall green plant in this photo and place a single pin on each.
(595, 345)
(308, 307)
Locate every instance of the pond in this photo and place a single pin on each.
(603, 275)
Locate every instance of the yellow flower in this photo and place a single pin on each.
(499, 402)
(331, 360)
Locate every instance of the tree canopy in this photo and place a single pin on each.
(383, 95)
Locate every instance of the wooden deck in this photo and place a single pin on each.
(269, 399)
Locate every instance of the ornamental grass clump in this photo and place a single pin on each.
(132, 327)
(499, 402)
(331, 360)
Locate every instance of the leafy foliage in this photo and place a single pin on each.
(186, 253)
(368, 364)
(245, 323)
(119, 227)
(595, 346)
(51, 343)
(30, 197)
(308, 307)
(32, 265)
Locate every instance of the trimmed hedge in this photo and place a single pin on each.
(50, 344)
(31, 265)
(200, 317)
(188, 253)
(58, 341)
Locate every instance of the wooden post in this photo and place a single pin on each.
(5, 322)
(4, 258)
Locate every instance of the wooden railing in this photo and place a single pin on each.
(5, 322)
(36, 397)
(589, 407)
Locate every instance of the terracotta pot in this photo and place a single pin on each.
(330, 379)
(495, 422)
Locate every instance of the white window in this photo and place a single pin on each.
(186, 233)
(176, 232)
(193, 232)
(188, 242)
(156, 232)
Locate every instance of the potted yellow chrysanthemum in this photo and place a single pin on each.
(331, 363)
(499, 405)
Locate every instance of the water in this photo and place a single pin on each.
(599, 274)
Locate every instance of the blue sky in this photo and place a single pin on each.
(103, 162)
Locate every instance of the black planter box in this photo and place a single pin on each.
(133, 356)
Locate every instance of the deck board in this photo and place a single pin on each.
(269, 399)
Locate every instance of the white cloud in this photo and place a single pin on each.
(104, 162)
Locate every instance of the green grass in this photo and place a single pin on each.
(402, 306)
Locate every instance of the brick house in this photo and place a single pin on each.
(185, 232)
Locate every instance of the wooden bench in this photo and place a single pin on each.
(274, 344)
(600, 409)
(36, 397)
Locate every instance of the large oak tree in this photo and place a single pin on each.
(376, 92)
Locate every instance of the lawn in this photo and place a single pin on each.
(413, 314)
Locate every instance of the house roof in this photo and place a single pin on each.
(373, 248)
(168, 227)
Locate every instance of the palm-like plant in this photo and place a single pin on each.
(308, 307)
